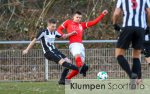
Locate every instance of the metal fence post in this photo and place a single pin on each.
(46, 70)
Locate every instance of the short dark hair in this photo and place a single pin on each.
(52, 20)
(78, 12)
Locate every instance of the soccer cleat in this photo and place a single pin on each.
(133, 81)
(84, 69)
(64, 82)
(61, 82)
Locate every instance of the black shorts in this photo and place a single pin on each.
(128, 35)
(54, 55)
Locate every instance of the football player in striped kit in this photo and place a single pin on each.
(47, 37)
(133, 28)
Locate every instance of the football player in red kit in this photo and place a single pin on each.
(75, 41)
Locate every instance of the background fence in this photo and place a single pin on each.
(34, 67)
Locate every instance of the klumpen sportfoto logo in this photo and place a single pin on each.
(109, 86)
(106, 86)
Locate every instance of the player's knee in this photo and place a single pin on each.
(136, 53)
(61, 61)
(119, 52)
(67, 60)
(136, 56)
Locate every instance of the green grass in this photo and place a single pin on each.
(50, 87)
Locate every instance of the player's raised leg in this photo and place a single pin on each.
(78, 51)
(58, 57)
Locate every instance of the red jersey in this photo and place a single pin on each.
(71, 26)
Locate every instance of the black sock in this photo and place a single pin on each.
(64, 74)
(124, 64)
(136, 68)
(69, 66)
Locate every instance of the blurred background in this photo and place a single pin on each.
(22, 19)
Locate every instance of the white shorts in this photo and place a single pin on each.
(77, 48)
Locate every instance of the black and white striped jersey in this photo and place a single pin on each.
(134, 12)
(47, 39)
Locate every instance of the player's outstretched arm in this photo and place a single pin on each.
(29, 46)
(64, 36)
(98, 19)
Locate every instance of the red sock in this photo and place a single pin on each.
(72, 74)
(75, 72)
(79, 61)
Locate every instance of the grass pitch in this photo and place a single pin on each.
(50, 87)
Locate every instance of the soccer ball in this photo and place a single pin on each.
(102, 75)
